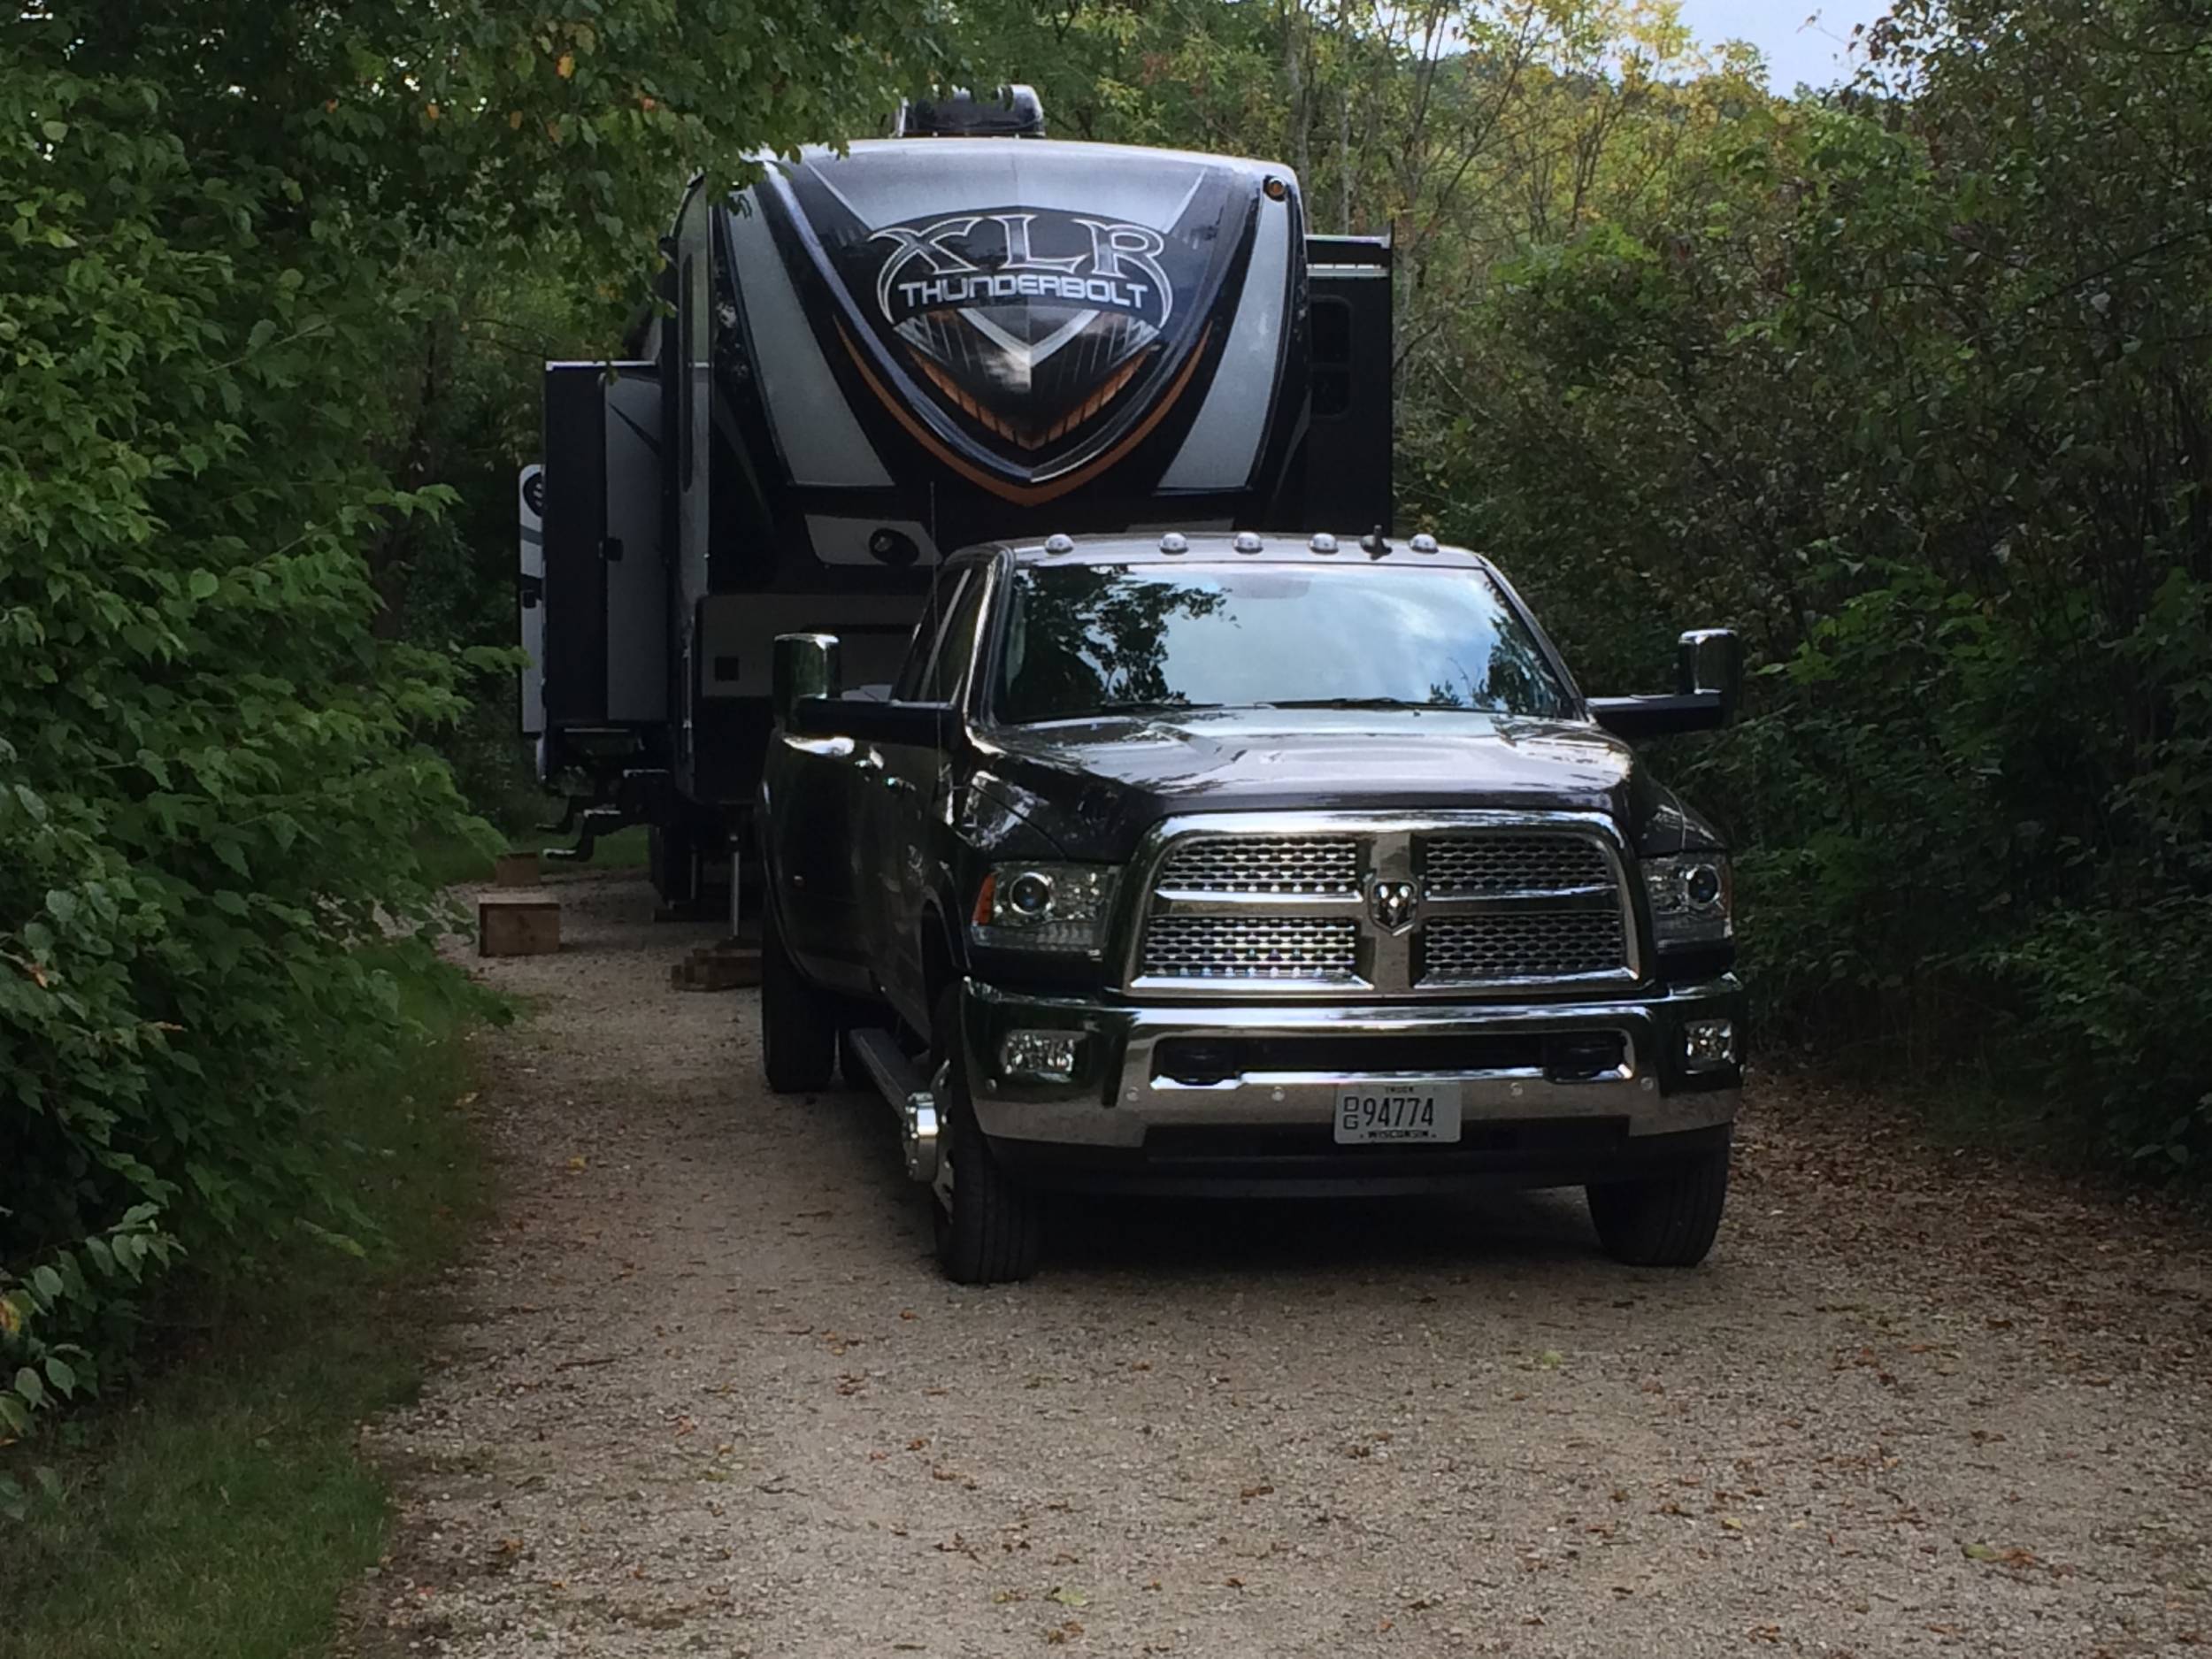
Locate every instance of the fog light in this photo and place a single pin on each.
(1708, 1045)
(1043, 1056)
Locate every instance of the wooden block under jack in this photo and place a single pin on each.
(513, 925)
(722, 967)
(516, 870)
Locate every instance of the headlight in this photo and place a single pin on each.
(1692, 899)
(1044, 907)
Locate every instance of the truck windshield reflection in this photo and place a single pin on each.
(1084, 641)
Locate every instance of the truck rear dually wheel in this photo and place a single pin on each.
(990, 1228)
(1665, 1219)
(798, 1024)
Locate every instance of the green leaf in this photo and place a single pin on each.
(13, 1413)
(62, 1375)
(55, 131)
(27, 1385)
(48, 1283)
(202, 584)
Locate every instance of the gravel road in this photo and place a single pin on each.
(704, 1391)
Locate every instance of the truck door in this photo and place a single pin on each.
(904, 812)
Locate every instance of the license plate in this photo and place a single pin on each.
(1397, 1112)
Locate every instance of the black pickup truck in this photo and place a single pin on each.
(1252, 865)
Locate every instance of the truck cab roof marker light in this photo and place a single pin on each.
(1059, 544)
(1423, 543)
(1249, 542)
(1175, 541)
(1323, 543)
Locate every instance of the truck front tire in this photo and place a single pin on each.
(798, 1024)
(1665, 1219)
(990, 1228)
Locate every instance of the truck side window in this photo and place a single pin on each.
(941, 684)
(923, 649)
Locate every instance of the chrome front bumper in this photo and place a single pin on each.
(1116, 1096)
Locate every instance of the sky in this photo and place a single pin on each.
(1816, 55)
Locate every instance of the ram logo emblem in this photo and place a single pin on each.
(1393, 904)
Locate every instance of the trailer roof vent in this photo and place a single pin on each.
(1003, 112)
(1059, 544)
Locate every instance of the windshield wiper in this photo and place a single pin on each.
(1351, 702)
(1147, 705)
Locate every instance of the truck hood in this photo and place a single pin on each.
(1103, 782)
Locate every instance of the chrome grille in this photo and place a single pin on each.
(1262, 864)
(1533, 945)
(1275, 903)
(1311, 947)
(1457, 865)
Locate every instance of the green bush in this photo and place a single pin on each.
(1916, 390)
(212, 770)
(275, 285)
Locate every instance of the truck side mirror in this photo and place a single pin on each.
(806, 690)
(1709, 681)
(805, 667)
(1711, 660)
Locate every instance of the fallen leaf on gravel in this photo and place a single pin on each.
(1551, 1359)
(1152, 1584)
(1060, 1635)
(908, 1313)
(1001, 1597)
(1732, 1523)
(1250, 1493)
(575, 1164)
(1068, 1598)
(1981, 1552)
(1234, 1584)
(915, 1444)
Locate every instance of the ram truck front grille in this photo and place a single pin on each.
(1386, 908)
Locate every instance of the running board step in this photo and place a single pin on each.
(906, 1091)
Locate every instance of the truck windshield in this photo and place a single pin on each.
(1084, 640)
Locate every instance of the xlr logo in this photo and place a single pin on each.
(973, 261)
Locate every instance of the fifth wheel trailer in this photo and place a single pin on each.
(870, 359)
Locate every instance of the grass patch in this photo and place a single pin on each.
(218, 1508)
(451, 863)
